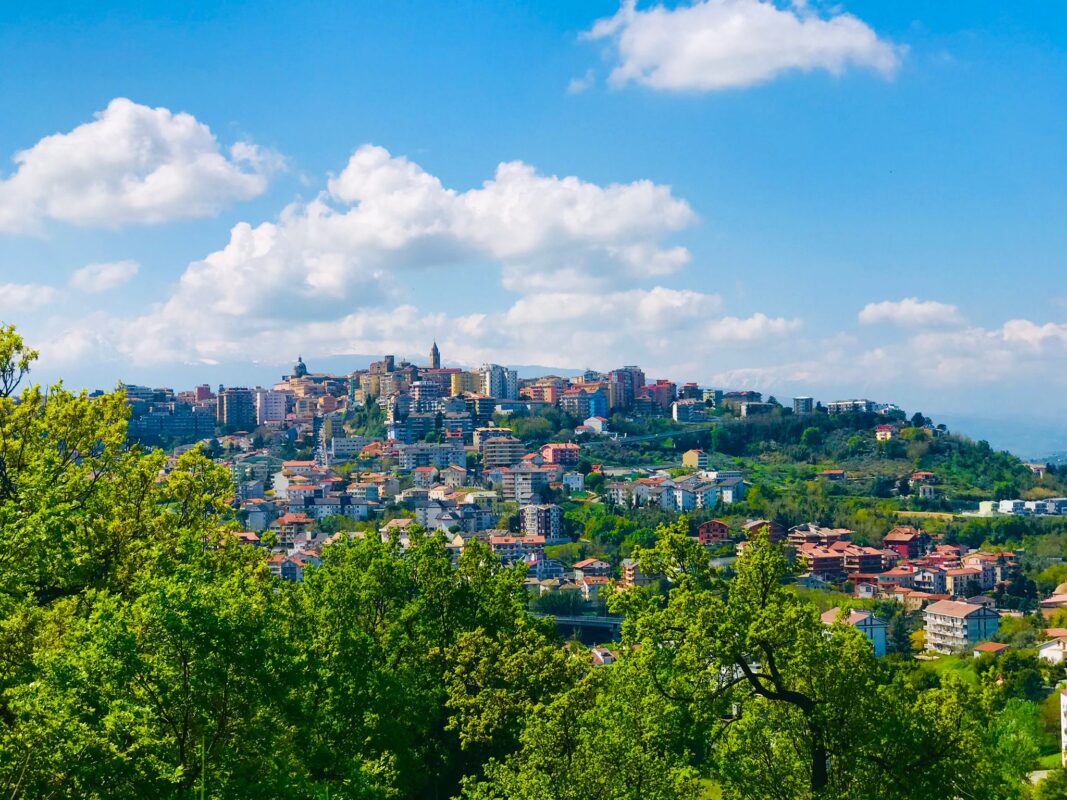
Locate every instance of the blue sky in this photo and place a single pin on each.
(719, 208)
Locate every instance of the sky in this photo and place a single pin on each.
(857, 199)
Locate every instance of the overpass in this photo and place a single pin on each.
(589, 629)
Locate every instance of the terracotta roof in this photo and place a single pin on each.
(953, 608)
(991, 647)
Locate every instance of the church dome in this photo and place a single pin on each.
(299, 368)
(1061, 589)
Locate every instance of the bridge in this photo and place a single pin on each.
(588, 629)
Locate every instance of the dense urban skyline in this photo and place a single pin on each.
(862, 201)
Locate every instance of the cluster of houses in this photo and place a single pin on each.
(1052, 507)
(702, 489)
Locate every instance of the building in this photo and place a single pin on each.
(524, 484)
(543, 520)
(907, 541)
(850, 407)
(689, 411)
(499, 382)
(874, 628)
(566, 453)
(502, 451)
(271, 406)
(884, 433)
(435, 357)
(803, 405)
(714, 532)
(695, 459)
(237, 409)
(956, 627)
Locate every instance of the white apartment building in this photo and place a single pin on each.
(271, 406)
(955, 627)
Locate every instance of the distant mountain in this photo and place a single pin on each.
(1030, 439)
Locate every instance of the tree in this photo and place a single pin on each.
(811, 437)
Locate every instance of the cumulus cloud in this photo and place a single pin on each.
(25, 296)
(721, 44)
(95, 278)
(384, 215)
(324, 276)
(911, 312)
(131, 164)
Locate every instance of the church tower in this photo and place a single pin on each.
(435, 357)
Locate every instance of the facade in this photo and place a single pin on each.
(271, 406)
(237, 409)
(874, 628)
(502, 451)
(850, 407)
(955, 627)
(803, 405)
(543, 520)
(689, 411)
(695, 459)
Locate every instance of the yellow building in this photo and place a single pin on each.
(465, 382)
(695, 459)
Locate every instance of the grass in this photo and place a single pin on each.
(961, 665)
(1049, 761)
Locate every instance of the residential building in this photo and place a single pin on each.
(874, 628)
(543, 520)
(909, 542)
(850, 407)
(695, 459)
(237, 409)
(689, 411)
(566, 453)
(803, 405)
(955, 627)
(502, 451)
(271, 406)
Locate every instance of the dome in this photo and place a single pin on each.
(1061, 589)
(299, 368)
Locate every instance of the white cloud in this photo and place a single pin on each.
(25, 296)
(721, 44)
(131, 164)
(384, 215)
(95, 278)
(582, 84)
(911, 312)
(759, 327)
(324, 277)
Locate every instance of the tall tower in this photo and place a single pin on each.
(435, 357)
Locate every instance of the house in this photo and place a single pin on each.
(695, 459)
(962, 581)
(996, 648)
(775, 531)
(1054, 651)
(921, 477)
(566, 453)
(602, 656)
(884, 433)
(874, 628)
(591, 586)
(596, 424)
(833, 474)
(714, 532)
(909, 542)
(953, 626)
(588, 567)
